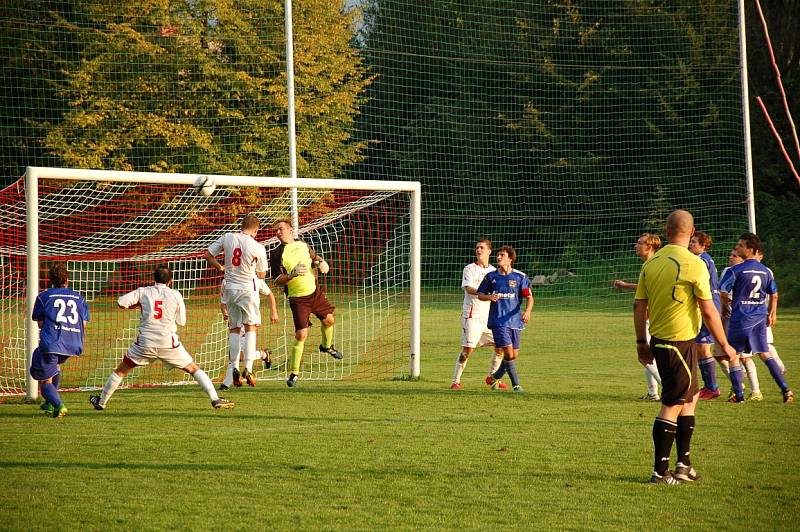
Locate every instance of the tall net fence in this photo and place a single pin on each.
(564, 129)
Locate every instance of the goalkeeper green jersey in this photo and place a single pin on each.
(293, 254)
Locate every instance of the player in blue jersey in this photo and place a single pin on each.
(747, 286)
(505, 288)
(699, 245)
(62, 315)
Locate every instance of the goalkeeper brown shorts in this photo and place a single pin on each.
(677, 366)
(303, 307)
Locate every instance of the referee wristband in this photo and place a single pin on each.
(640, 341)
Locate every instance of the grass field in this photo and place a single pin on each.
(572, 453)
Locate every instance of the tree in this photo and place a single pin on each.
(199, 86)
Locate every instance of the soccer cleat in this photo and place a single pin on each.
(707, 394)
(95, 401)
(788, 396)
(250, 377)
(686, 473)
(237, 378)
(47, 408)
(331, 351)
(61, 411)
(266, 358)
(732, 393)
(224, 387)
(650, 397)
(222, 404)
(455, 386)
(291, 382)
(735, 399)
(666, 478)
(518, 389)
(489, 380)
(755, 396)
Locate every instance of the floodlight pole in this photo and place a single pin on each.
(748, 152)
(290, 112)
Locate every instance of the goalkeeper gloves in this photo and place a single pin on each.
(321, 265)
(300, 269)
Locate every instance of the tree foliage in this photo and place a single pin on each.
(200, 86)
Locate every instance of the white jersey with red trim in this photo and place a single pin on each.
(163, 310)
(244, 258)
(472, 277)
(261, 286)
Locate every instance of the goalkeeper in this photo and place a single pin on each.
(293, 264)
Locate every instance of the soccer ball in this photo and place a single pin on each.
(204, 185)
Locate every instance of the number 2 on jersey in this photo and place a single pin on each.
(755, 292)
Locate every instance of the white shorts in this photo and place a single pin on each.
(176, 357)
(475, 333)
(244, 306)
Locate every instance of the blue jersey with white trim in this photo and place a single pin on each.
(713, 279)
(505, 312)
(63, 313)
(748, 284)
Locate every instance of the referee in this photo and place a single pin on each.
(674, 287)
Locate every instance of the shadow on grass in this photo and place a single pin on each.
(375, 473)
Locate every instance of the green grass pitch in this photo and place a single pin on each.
(574, 453)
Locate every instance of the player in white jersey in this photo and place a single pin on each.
(245, 263)
(232, 376)
(646, 246)
(163, 310)
(475, 313)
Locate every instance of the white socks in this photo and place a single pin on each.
(494, 365)
(459, 369)
(774, 353)
(206, 384)
(110, 387)
(234, 347)
(249, 349)
(726, 367)
(752, 374)
(652, 377)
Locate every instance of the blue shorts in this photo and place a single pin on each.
(45, 365)
(704, 336)
(750, 340)
(506, 336)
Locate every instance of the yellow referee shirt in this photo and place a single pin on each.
(672, 281)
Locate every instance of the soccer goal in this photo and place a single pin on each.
(111, 228)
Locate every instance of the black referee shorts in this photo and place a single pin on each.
(677, 365)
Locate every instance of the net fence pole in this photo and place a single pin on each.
(290, 111)
(32, 284)
(748, 153)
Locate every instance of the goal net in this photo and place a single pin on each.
(111, 234)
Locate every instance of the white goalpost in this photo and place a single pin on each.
(112, 227)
